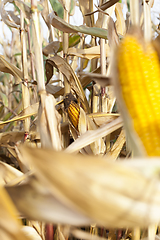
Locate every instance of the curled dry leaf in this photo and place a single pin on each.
(89, 53)
(94, 186)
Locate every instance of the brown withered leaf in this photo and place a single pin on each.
(98, 78)
(56, 91)
(59, 63)
(51, 48)
(9, 139)
(93, 185)
(104, 6)
(85, 80)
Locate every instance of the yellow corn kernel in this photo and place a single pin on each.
(139, 76)
(73, 114)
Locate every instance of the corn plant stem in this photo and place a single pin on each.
(25, 90)
(65, 49)
(11, 77)
(136, 234)
(152, 231)
(134, 9)
(37, 44)
(32, 62)
(147, 21)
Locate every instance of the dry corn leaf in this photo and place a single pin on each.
(98, 78)
(103, 118)
(36, 202)
(63, 26)
(7, 67)
(68, 72)
(104, 6)
(9, 139)
(94, 186)
(10, 228)
(8, 173)
(92, 135)
(51, 48)
(27, 112)
(56, 91)
(117, 146)
(85, 8)
(85, 80)
(89, 53)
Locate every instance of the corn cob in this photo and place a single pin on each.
(73, 114)
(72, 109)
(139, 77)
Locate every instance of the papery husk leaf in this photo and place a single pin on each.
(110, 185)
(88, 53)
(63, 26)
(45, 206)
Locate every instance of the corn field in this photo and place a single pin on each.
(79, 120)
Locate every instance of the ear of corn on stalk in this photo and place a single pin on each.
(72, 108)
(139, 77)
